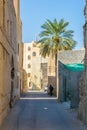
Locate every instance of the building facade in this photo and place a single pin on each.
(82, 112)
(27, 66)
(35, 67)
(9, 89)
(19, 46)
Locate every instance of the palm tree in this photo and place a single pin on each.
(55, 37)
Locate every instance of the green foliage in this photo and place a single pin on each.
(55, 37)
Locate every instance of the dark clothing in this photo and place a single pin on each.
(51, 90)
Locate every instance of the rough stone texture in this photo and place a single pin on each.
(44, 72)
(9, 90)
(51, 66)
(68, 57)
(82, 112)
(52, 81)
(24, 88)
(68, 85)
(52, 74)
(19, 45)
(71, 57)
(65, 57)
(21, 79)
(63, 75)
(74, 88)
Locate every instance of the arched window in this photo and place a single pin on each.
(29, 48)
(29, 74)
(29, 57)
(29, 84)
(34, 53)
(29, 66)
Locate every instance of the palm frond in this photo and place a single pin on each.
(55, 37)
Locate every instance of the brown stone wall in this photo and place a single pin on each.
(9, 90)
(71, 56)
(21, 65)
(4, 82)
(51, 66)
(52, 81)
(44, 75)
(82, 111)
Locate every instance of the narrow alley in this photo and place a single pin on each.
(39, 111)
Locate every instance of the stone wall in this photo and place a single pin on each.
(63, 83)
(19, 45)
(9, 90)
(82, 111)
(65, 57)
(74, 88)
(44, 72)
(21, 82)
(68, 85)
(4, 82)
(52, 74)
(52, 81)
(71, 56)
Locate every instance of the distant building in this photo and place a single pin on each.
(27, 56)
(35, 67)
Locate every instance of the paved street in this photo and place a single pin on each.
(32, 113)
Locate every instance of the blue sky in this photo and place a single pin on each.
(35, 12)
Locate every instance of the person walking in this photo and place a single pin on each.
(51, 90)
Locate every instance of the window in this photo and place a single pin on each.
(29, 84)
(29, 74)
(34, 53)
(29, 48)
(29, 57)
(29, 66)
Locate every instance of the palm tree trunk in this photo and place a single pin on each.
(56, 73)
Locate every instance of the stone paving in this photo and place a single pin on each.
(39, 111)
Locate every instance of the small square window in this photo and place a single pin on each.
(34, 53)
(29, 74)
(29, 57)
(29, 48)
(29, 66)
